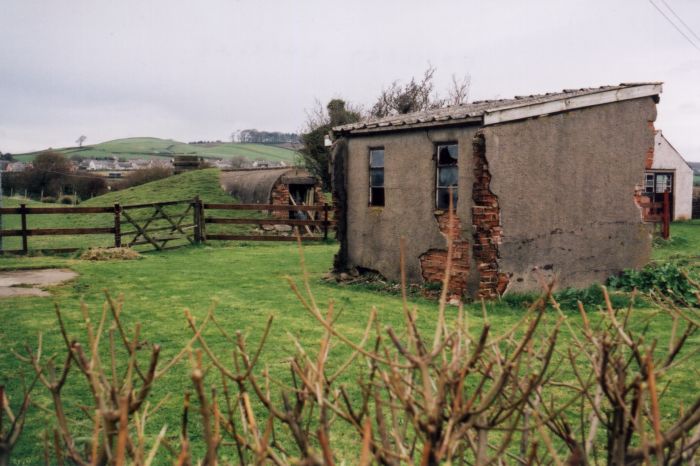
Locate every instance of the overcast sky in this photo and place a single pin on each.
(192, 70)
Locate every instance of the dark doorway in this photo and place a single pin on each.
(300, 194)
(656, 183)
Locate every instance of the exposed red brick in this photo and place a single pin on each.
(640, 199)
(280, 196)
(434, 262)
(486, 222)
(649, 160)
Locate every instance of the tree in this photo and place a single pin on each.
(419, 95)
(88, 186)
(80, 140)
(49, 173)
(320, 120)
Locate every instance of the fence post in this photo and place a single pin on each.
(23, 212)
(199, 228)
(666, 228)
(325, 221)
(117, 225)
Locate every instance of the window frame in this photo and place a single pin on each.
(370, 201)
(438, 166)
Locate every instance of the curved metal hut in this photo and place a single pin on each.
(278, 186)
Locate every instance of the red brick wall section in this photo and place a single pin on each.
(434, 262)
(280, 196)
(487, 227)
(640, 199)
(649, 160)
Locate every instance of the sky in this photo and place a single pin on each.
(200, 70)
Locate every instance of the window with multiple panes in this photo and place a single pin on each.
(376, 177)
(447, 176)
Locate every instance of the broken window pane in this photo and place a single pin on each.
(376, 196)
(447, 155)
(447, 175)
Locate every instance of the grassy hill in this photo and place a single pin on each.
(202, 183)
(130, 148)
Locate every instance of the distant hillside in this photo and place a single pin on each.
(130, 148)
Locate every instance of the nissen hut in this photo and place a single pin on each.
(277, 186)
(543, 185)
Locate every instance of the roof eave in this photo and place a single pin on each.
(337, 132)
(503, 115)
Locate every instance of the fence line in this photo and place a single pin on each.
(162, 227)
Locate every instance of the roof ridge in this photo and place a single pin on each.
(478, 108)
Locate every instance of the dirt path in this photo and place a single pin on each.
(29, 282)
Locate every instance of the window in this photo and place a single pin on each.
(376, 177)
(447, 176)
(649, 184)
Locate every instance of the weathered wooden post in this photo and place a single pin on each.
(325, 221)
(117, 225)
(199, 232)
(666, 229)
(23, 213)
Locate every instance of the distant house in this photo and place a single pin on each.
(17, 167)
(671, 172)
(544, 186)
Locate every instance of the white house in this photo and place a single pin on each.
(670, 171)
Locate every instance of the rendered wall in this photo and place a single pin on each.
(373, 233)
(565, 185)
(667, 158)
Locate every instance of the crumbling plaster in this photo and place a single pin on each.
(373, 233)
(565, 185)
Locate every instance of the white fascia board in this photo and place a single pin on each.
(588, 100)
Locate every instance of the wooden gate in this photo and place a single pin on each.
(161, 225)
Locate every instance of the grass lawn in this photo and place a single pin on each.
(247, 282)
(136, 148)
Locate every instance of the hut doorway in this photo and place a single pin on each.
(301, 194)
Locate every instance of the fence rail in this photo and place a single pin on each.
(161, 226)
(322, 224)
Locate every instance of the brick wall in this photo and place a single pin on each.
(280, 196)
(487, 227)
(649, 160)
(434, 262)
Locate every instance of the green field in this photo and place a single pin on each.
(696, 180)
(131, 148)
(247, 283)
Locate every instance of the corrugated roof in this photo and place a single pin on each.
(474, 110)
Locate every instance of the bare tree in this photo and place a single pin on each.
(419, 95)
(80, 140)
(458, 92)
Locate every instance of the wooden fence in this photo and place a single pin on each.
(310, 224)
(163, 223)
(659, 213)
